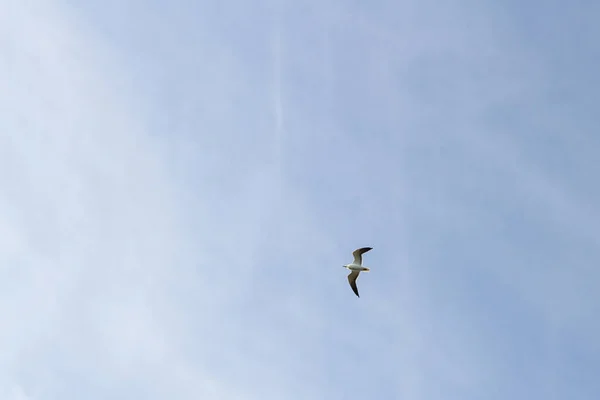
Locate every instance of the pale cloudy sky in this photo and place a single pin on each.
(181, 182)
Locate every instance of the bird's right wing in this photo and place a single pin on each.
(352, 281)
(358, 254)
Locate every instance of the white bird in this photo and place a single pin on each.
(356, 267)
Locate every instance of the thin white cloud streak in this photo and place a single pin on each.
(277, 73)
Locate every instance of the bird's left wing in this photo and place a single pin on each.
(352, 281)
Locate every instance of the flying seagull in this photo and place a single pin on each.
(356, 267)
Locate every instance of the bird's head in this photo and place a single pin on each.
(345, 266)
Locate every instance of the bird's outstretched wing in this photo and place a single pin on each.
(358, 254)
(352, 281)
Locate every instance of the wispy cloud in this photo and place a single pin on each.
(90, 225)
(180, 190)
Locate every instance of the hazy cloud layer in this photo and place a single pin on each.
(182, 182)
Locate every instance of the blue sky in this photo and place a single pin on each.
(182, 182)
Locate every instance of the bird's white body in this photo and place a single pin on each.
(356, 267)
